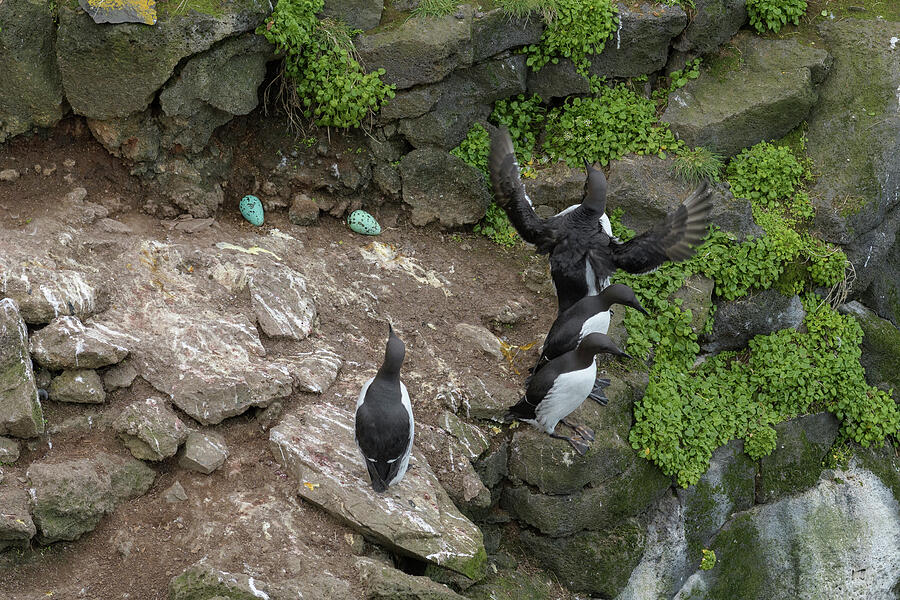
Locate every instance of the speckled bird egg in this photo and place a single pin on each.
(362, 222)
(252, 210)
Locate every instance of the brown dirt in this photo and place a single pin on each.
(167, 537)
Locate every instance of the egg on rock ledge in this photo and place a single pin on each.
(362, 222)
(252, 210)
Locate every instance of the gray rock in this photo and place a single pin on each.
(66, 343)
(204, 452)
(110, 72)
(557, 80)
(795, 464)
(358, 14)
(441, 187)
(304, 210)
(44, 294)
(283, 307)
(150, 430)
(772, 90)
(480, 338)
(127, 12)
(738, 321)
(453, 469)
(695, 296)
(853, 140)
(645, 188)
(175, 493)
(382, 582)
(189, 186)
(20, 409)
(387, 178)
(69, 498)
(135, 137)
(120, 376)
(491, 466)
(32, 93)
(840, 535)
(82, 386)
(641, 44)
(556, 186)
(16, 526)
(114, 226)
(419, 50)
(415, 516)
(883, 294)
(713, 23)
(472, 438)
(313, 372)
(9, 175)
(9, 450)
(880, 346)
(201, 580)
(496, 31)
(487, 397)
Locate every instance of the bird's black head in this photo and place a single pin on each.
(393, 355)
(594, 189)
(596, 343)
(619, 293)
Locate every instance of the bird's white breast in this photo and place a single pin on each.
(567, 393)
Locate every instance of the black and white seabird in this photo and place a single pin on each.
(582, 255)
(560, 387)
(589, 315)
(384, 420)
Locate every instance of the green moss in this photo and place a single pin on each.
(171, 8)
(884, 462)
(699, 517)
(889, 10)
(728, 60)
(739, 570)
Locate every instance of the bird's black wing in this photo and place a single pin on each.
(509, 194)
(673, 238)
(382, 433)
(538, 386)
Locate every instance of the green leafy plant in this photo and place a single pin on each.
(774, 14)
(475, 148)
(766, 174)
(434, 8)
(708, 561)
(496, 226)
(579, 29)
(523, 116)
(326, 82)
(693, 166)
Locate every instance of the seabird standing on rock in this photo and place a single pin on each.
(384, 419)
(582, 255)
(560, 387)
(589, 315)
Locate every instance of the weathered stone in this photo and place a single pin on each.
(695, 296)
(511, 584)
(491, 466)
(204, 581)
(9, 175)
(150, 430)
(795, 464)
(175, 493)
(31, 94)
(66, 343)
(382, 582)
(713, 23)
(645, 188)
(853, 140)
(281, 303)
(453, 469)
(596, 562)
(304, 210)
(441, 187)
(880, 346)
(415, 516)
(114, 226)
(203, 451)
(44, 294)
(419, 50)
(82, 386)
(9, 450)
(16, 526)
(313, 372)
(128, 11)
(472, 438)
(641, 44)
(20, 409)
(189, 186)
(840, 536)
(738, 321)
(358, 14)
(480, 338)
(113, 71)
(496, 31)
(557, 80)
(883, 294)
(120, 376)
(557, 186)
(772, 89)
(487, 397)
(69, 498)
(135, 137)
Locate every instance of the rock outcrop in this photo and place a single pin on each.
(20, 409)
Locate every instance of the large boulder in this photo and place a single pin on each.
(854, 143)
(67, 344)
(795, 464)
(69, 498)
(112, 71)
(738, 321)
(880, 346)
(441, 187)
(761, 92)
(496, 30)
(415, 517)
(31, 94)
(20, 409)
(418, 50)
(641, 43)
(714, 22)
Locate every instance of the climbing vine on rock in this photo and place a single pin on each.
(319, 61)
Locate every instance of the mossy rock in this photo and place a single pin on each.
(884, 462)
(796, 462)
(202, 582)
(515, 585)
(880, 346)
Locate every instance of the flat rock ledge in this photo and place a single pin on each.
(415, 517)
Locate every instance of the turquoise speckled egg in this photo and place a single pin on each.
(252, 210)
(362, 222)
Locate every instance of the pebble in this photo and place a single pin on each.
(76, 195)
(9, 175)
(175, 493)
(69, 163)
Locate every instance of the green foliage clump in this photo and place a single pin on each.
(525, 8)
(579, 29)
(709, 560)
(523, 116)
(766, 174)
(496, 226)
(475, 148)
(774, 14)
(319, 60)
(693, 166)
(434, 8)
(605, 127)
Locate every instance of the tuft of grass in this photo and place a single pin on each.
(693, 166)
(526, 8)
(434, 8)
